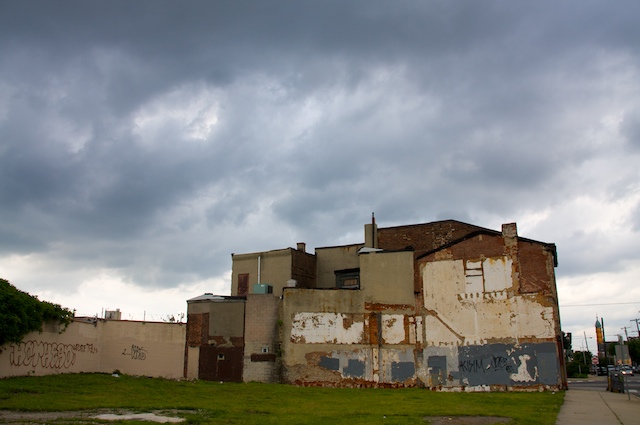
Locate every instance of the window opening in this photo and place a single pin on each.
(348, 279)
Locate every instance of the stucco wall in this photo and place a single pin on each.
(387, 277)
(275, 269)
(136, 348)
(330, 259)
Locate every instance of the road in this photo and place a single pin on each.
(599, 383)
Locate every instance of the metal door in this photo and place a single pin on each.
(220, 364)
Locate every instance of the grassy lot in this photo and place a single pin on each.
(202, 402)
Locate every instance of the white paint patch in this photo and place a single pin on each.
(327, 328)
(443, 280)
(497, 274)
(139, 416)
(393, 328)
(419, 330)
(523, 374)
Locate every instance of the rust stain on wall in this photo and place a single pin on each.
(388, 307)
(197, 329)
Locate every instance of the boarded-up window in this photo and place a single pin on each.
(348, 279)
(243, 284)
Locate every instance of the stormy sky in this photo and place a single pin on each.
(141, 143)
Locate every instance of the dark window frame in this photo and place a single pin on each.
(344, 278)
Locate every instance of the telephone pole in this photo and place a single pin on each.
(625, 332)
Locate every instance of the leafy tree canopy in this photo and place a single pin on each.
(21, 313)
(634, 350)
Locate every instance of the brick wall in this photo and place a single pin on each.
(303, 269)
(423, 237)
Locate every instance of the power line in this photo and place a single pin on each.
(594, 305)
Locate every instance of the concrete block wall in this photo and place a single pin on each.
(262, 342)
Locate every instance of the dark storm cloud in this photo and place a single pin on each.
(154, 139)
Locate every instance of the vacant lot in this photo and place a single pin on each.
(77, 399)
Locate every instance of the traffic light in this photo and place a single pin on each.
(566, 340)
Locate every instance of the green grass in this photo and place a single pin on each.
(255, 403)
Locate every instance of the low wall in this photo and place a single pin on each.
(103, 346)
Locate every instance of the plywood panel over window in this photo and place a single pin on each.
(243, 284)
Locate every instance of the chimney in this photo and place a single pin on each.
(509, 230)
(302, 246)
(371, 233)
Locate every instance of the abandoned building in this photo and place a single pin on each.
(444, 305)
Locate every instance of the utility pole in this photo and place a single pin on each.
(637, 327)
(585, 341)
(625, 331)
(584, 355)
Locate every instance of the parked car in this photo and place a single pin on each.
(626, 370)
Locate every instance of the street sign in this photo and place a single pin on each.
(594, 360)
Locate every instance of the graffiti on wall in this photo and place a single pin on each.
(486, 365)
(46, 354)
(136, 353)
(506, 364)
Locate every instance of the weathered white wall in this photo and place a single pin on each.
(476, 331)
(464, 312)
(331, 259)
(481, 331)
(327, 328)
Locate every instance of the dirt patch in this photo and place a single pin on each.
(86, 416)
(169, 416)
(465, 420)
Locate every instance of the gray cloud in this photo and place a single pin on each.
(155, 141)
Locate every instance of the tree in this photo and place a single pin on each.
(634, 350)
(21, 313)
(579, 365)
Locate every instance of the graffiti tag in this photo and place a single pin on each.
(493, 364)
(137, 353)
(47, 355)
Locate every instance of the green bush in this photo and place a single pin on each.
(21, 313)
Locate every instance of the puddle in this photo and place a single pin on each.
(139, 416)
